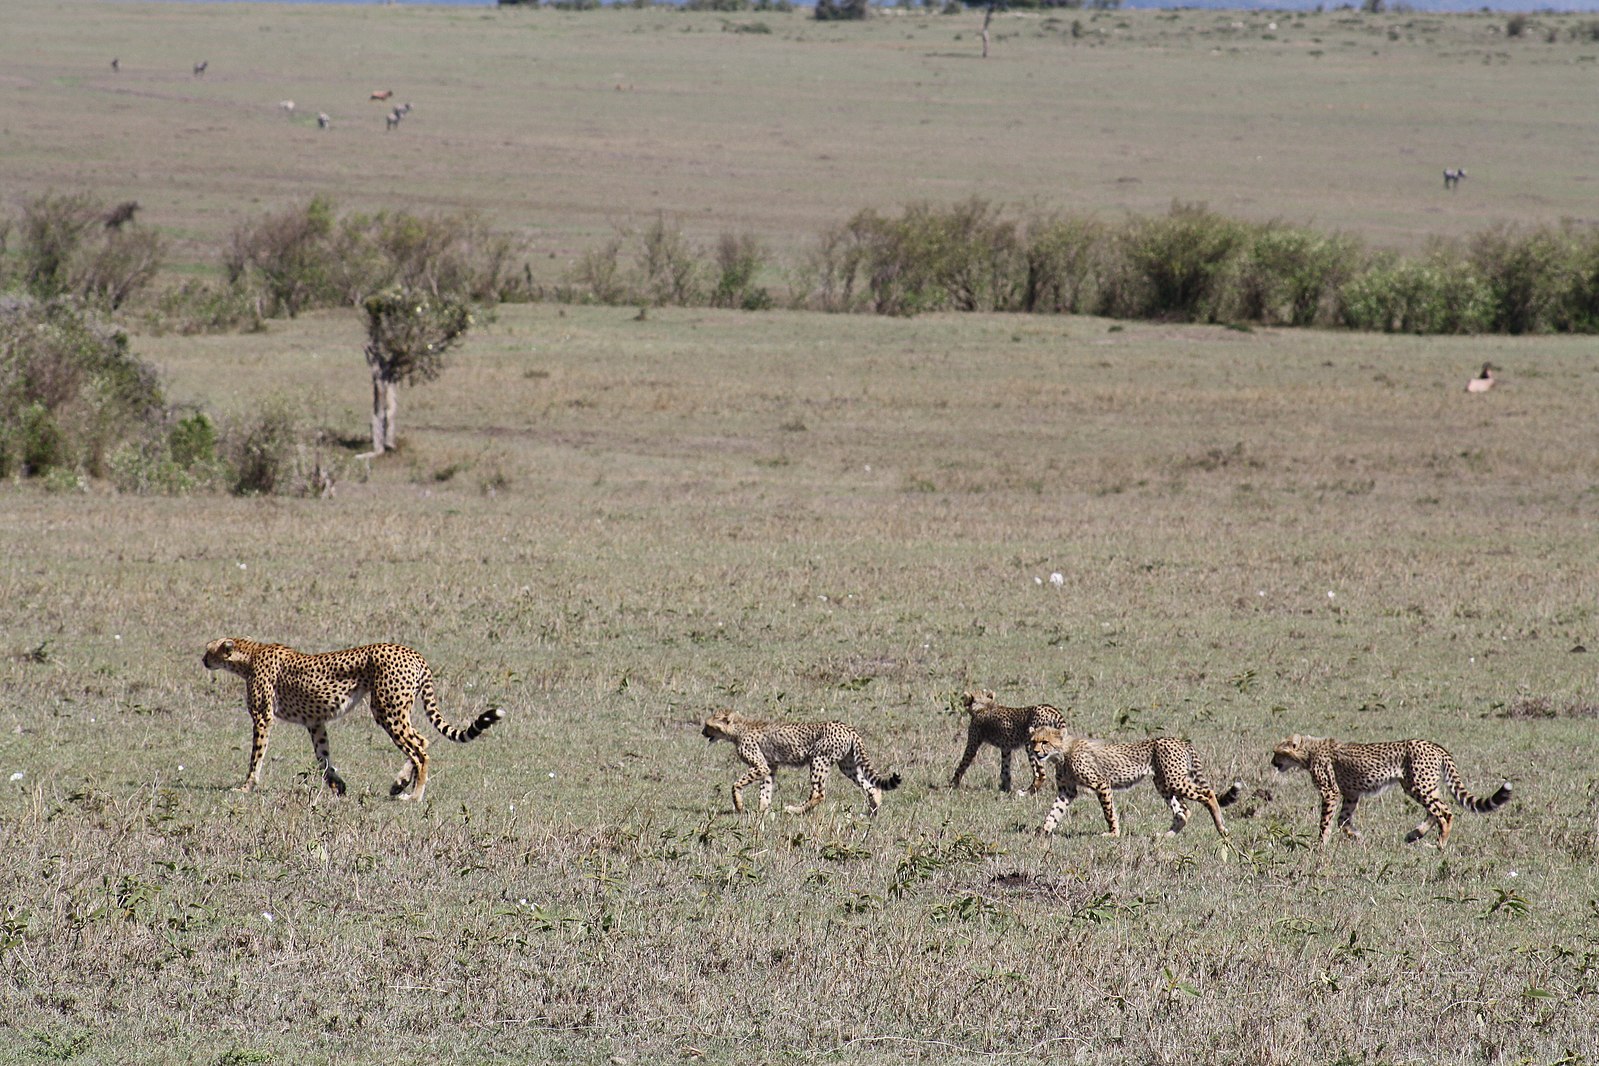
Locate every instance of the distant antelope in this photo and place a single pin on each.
(116, 65)
(1483, 381)
(287, 106)
(322, 120)
(381, 94)
(1452, 177)
(199, 68)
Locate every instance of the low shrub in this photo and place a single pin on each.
(1525, 274)
(70, 390)
(1439, 294)
(739, 260)
(74, 244)
(1176, 263)
(262, 448)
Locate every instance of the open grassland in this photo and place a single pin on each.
(563, 126)
(609, 527)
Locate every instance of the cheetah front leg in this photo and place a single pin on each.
(260, 704)
(1065, 792)
(324, 758)
(1037, 764)
(819, 770)
(760, 772)
(973, 744)
(1327, 785)
(1004, 769)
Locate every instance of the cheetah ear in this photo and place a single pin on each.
(226, 647)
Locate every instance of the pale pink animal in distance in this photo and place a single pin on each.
(1482, 382)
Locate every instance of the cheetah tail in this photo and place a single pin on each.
(889, 783)
(1492, 803)
(430, 703)
(1230, 797)
(1476, 804)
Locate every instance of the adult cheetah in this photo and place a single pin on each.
(312, 689)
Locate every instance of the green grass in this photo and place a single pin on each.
(611, 527)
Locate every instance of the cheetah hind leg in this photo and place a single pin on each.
(319, 742)
(1179, 811)
(818, 789)
(1437, 815)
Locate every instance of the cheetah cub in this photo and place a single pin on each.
(1006, 728)
(312, 689)
(1354, 771)
(766, 745)
(1101, 766)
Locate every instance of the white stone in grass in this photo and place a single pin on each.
(1057, 579)
(17, 776)
(267, 915)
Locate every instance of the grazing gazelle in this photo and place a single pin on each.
(1483, 381)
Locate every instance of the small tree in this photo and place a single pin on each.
(408, 332)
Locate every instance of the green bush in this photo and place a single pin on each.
(1065, 264)
(1175, 263)
(1525, 275)
(70, 391)
(739, 260)
(308, 256)
(73, 244)
(289, 255)
(1286, 276)
(669, 271)
(1438, 294)
(1576, 308)
(261, 449)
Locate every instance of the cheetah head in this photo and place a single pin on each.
(723, 725)
(222, 654)
(1046, 743)
(1291, 753)
(977, 700)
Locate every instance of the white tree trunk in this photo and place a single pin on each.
(385, 409)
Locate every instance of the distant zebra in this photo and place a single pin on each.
(1452, 177)
(322, 120)
(392, 119)
(199, 68)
